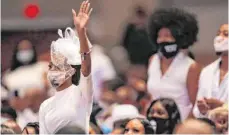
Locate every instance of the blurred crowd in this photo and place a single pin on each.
(136, 90)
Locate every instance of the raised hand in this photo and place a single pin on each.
(81, 20)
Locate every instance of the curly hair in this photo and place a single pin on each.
(182, 24)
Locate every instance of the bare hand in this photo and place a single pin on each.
(203, 107)
(213, 103)
(81, 20)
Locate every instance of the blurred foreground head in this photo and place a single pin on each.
(138, 126)
(71, 130)
(31, 128)
(13, 125)
(6, 130)
(220, 117)
(163, 115)
(193, 126)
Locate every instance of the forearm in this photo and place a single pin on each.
(84, 48)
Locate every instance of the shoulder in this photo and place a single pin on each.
(211, 66)
(195, 69)
(195, 66)
(152, 58)
(44, 105)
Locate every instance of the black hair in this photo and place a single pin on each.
(191, 55)
(76, 76)
(172, 110)
(148, 127)
(34, 125)
(6, 130)
(9, 111)
(182, 24)
(95, 110)
(71, 130)
(15, 63)
(96, 128)
(140, 12)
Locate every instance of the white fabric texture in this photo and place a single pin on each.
(4, 93)
(71, 106)
(67, 45)
(173, 83)
(23, 118)
(26, 77)
(102, 70)
(122, 112)
(220, 44)
(209, 86)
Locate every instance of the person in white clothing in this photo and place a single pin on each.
(213, 83)
(171, 72)
(102, 70)
(25, 74)
(72, 103)
(26, 71)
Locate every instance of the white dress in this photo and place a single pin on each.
(173, 83)
(68, 107)
(209, 86)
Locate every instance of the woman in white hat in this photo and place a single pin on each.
(72, 103)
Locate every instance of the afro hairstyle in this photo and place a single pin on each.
(182, 24)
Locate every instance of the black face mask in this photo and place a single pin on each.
(161, 126)
(168, 49)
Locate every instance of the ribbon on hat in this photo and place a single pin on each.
(69, 34)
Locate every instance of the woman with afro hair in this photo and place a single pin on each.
(172, 73)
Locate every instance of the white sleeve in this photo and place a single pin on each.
(42, 127)
(108, 70)
(200, 95)
(85, 85)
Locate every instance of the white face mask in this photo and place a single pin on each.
(57, 78)
(220, 44)
(25, 56)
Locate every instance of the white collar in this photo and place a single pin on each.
(64, 90)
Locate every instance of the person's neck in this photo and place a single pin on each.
(167, 61)
(224, 63)
(65, 85)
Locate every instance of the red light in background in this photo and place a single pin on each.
(31, 11)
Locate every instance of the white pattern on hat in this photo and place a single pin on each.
(67, 48)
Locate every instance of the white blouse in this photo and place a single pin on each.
(173, 83)
(209, 86)
(68, 107)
